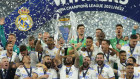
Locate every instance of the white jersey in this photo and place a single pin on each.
(94, 53)
(51, 72)
(90, 74)
(52, 53)
(112, 59)
(136, 52)
(73, 73)
(107, 71)
(11, 59)
(135, 77)
(22, 73)
(137, 71)
(121, 66)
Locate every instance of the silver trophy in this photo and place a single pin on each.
(65, 28)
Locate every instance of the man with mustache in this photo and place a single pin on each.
(132, 49)
(11, 37)
(118, 41)
(86, 72)
(68, 70)
(42, 73)
(129, 73)
(9, 53)
(103, 71)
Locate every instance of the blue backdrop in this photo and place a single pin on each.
(43, 10)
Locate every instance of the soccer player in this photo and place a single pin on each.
(132, 49)
(103, 71)
(26, 71)
(86, 72)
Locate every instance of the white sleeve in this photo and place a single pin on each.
(118, 73)
(18, 73)
(110, 73)
(54, 76)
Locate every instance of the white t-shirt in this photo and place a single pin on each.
(73, 74)
(136, 52)
(22, 73)
(107, 71)
(94, 53)
(11, 59)
(52, 53)
(51, 72)
(90, 74)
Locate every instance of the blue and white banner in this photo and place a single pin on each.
(34, 13)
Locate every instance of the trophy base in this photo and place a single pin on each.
(66, 45)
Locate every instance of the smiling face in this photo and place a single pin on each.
(81, 30)
(89, 43)
(86, 62)
(100, 59)
(129, 70)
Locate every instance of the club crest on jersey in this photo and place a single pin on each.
(24, 22)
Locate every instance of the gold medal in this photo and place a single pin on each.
(109, 62)
(67, 76)
(131, 55)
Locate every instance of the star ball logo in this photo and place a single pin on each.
(24, 22)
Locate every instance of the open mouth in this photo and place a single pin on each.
(6, 65)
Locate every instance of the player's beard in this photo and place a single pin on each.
(85, 64)
(68, 62)
(48, 64)
(100, 63)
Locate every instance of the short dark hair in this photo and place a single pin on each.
(100, 54)
(133, 36)
(89, 37)
(129, 64)
(122, 51)
(23, 48)
(51, 37)
(80, 25)
(8, 43)
(31, 38)
(119, 25)
(99, 29)
(107, 41)
(134, 60)
(46, 56)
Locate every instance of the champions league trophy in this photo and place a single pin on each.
(64, 27)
